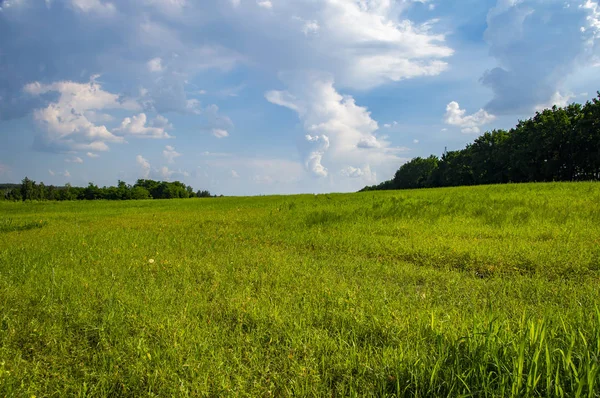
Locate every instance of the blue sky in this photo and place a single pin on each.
(246, 97)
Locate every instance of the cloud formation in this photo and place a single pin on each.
(469, 124)
(137, 126)
(338, 131)
(170, 154)
(65, 123)
(220, 133)
(75, 159)
(144, 166)
(534, 56)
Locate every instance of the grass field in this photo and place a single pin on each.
(478, 291)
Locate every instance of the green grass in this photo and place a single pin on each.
(480, 291)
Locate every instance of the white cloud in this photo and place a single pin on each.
(155, 65)
(320, 145)
(75, 159)
(557, 99)
(352, 172)
(220, 133)
(66, 174)
(6, 4)
(363, 43)
(593, 19)
(92, 155)
(397, 49)
(415, 141)
(161, 173)
(51, 172)
(469, 124)
(308, 27)
(338, 130)
(265, 4)
(369, 142)
(136, 127)
(144, 165)
(95, 6)
(167, 174)
(538, 44)
(390, 125)
(282, 98)
(234, 174)
(66, 126)
(170, 154)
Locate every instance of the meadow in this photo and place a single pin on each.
(473, 291)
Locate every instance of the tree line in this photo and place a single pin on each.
(558, 144)
(142, 189)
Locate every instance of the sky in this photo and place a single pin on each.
(251, 97)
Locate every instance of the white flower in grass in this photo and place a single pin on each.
(151, 261)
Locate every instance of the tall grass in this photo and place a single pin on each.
(482, 291)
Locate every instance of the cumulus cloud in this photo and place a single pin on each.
(364, 44)
(167, 174)
(160, 173)
(155, 65)
(468, 124)
(170, 154)
(397, 48)
(64, 122)
(92, 155)
(369, 142)
(534, 57)
(592, 27)
(337, 129)
(135, 126)
(265, 4)
(320, 144)
(557, 99)
(352, 172)
(144, 166)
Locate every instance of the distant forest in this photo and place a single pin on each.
(558, 144)
(142, 189)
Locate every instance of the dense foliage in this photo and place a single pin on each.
(558, 144)
(142, 189)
